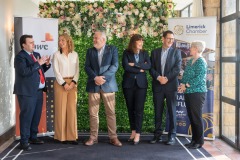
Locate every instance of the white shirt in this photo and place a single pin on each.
(65, 66)
(163, 59)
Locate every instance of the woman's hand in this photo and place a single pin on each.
(181, 88)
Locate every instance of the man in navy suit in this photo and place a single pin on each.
(166, 65)
(29, 86)
(101, 65)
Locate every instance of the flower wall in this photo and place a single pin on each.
(120, 19)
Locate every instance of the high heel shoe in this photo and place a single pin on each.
(130, 139)
(136, 142)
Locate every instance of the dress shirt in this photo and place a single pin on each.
(41, 85)
(163, 59)
(136, 57)
(100, 55)
(65, 66)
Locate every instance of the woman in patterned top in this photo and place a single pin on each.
(193, 85)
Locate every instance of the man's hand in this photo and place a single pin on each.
(162, 80)
(48, 60)
(43, 60)
(99, 80)
(131, 64)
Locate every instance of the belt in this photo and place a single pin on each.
(67, 77)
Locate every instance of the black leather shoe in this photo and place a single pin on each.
(170, 141)
(189, 144)
(36, 141)
(195, 146)
(25, 147)
(156, 139)
(73, 142)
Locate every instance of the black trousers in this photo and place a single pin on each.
(194, 104)
(30, 114)
(171, 100)
(135, 98)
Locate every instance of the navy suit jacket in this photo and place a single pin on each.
(108, 68)
(132, 73)
(27, 77)
(171, 70)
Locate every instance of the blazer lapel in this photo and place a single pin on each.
(95, 56)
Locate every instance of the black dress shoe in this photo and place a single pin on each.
(25, 147)
(35, 141)
(64, 142)
(195, 146)
(170, 141)
(156, 139)
(189, 144)
(73, 142)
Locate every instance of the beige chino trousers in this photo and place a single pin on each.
(94, 100)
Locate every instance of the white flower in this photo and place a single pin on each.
(72, 5)
(159, 4)
(141, 15)
(41, 3)
(85, 18)
(115, 10)
(120, 9)
(95, 5)
(144, 8)
(68, 19)
(61, 12)
(136, 12)
(129, 13)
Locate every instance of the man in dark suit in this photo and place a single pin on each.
(101, 65)
(29, 86)
(166, 65)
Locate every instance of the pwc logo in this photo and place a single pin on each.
(48, 37)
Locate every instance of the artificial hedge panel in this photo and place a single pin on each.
(81, 45)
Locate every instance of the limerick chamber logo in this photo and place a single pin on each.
(178, 30)
(48, 37)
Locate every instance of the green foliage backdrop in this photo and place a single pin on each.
(120, 19)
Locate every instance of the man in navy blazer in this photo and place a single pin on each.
(29, 86)
(166, 65)
(101, 65)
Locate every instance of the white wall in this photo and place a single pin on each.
(8, 10)
(7, 109)
(25, 8)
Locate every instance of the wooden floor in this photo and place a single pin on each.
(221, 150)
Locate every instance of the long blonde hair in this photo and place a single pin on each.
(70, 44)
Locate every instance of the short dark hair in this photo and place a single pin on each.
(23, 39)
(167, 32)
(132, 43)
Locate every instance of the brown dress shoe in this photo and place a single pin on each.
(116, 142)
(90, 142)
